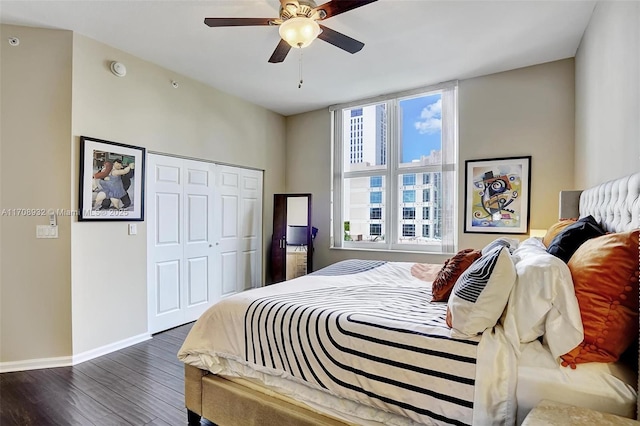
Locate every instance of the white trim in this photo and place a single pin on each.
(396, 95)
(67, 361)
(35, 364)
(112, 347)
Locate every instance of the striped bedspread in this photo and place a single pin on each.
(362, 331)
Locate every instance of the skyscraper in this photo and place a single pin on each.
(365, 131)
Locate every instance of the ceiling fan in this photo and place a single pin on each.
(299, 27)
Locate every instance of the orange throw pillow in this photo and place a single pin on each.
(448, 275)
(555, 229)
(605, 277)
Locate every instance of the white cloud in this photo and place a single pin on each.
(430, 119)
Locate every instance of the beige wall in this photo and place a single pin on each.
(529, 111)
(143, 109)
(35, 173)
(87, 289)
(521, 112)
(608, 95)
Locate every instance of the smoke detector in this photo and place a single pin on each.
(118, 69)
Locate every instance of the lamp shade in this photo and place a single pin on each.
(299, 32)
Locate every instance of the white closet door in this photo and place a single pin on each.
(241, 230)
(204, 236)
(199, 290)
(229, 180)
(165, 267)
(181, 250)
(251, 220)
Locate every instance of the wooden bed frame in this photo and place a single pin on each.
(224, 402)
(616, 204)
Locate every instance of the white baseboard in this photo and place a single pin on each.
(35, 364)
(66, 361)
(107, 349)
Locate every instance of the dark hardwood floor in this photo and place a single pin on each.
(139, 385)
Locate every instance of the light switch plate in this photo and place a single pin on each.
(46, 231)
(133, 229)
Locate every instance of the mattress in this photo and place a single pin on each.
(390, 360)
(236, 340)
(603, 387)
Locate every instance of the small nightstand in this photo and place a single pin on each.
(550, 413)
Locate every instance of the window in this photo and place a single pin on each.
(425, 214)
(408, 213)
(408, 180)
(409, 196)
(408, 230)
(396, 152)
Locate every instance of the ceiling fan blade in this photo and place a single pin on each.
(282, 49)
(340, 40)
(236, 22)
(336, 7)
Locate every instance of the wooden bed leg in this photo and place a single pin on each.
(193, 418)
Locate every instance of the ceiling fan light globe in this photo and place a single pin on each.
(299, 32)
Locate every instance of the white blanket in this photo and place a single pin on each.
(369, 339)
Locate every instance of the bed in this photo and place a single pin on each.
(379, 343)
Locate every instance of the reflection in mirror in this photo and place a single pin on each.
(297, 236)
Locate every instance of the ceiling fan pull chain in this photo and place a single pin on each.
(300, 69)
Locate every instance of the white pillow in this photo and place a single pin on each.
(481, 293)
(543, 301)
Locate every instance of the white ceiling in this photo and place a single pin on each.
(408, 43)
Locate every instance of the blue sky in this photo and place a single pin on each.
(421, 126)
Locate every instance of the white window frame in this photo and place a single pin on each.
(392, 208)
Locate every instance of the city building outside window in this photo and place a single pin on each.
(409, 180)
(408, 213)
(408, 230)
(409, 196)
(394, 155)
(425, 213)
(375, 197)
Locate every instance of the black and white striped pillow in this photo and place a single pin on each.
(481, 293)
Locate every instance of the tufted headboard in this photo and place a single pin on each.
(615, 205)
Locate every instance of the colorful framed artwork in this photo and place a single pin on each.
(111, 181)
(497, 195)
